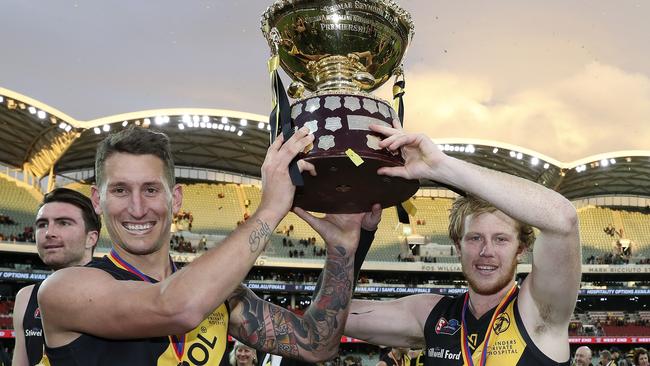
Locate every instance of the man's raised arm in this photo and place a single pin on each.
(315, 335)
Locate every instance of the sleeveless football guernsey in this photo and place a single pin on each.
(509, 343)
(204, 345)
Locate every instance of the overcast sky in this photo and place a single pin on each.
(565, 78)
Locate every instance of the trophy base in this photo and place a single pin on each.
(342, 187)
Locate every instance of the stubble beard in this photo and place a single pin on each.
(484, 289)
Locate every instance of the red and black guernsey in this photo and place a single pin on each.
(33, 330)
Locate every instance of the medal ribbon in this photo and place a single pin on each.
(467, 353)
(178, 343)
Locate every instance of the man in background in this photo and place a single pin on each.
(582, 356)
(67, 230)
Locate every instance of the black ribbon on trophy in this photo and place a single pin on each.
(280, 118)
(399, 88)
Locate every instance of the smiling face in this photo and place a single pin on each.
(244, 355)
(582, 356)
(61, 238)
(137, 202)
(488, 251)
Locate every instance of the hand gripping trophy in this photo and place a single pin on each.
(337, 52)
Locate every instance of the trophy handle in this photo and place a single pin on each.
(274, 40)
(399, 88)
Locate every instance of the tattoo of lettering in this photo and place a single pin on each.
(259, 236)
(271, 328)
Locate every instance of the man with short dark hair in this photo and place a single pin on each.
(67, 230)
(134, 307)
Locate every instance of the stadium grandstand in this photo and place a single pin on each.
(218, 154)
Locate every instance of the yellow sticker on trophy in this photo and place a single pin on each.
(410, 207)
(356, 159)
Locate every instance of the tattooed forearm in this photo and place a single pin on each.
(259, 236)
(325, 315)
(314, 335)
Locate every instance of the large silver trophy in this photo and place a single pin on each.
(337, 52)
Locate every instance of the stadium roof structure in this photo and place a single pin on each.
(41, 140)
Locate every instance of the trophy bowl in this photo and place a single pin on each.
(336, 52)
(318, 39)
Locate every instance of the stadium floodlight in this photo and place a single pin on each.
(461, 148)
(546, 165)
(495, 150)
(534, 161)
(186, 118)
(2, 99)
(107, 128)
(196, 123)
(181, 126)
(260, 125)
(97, 130)
(612, 161)
(520, 156)
(165, 119)
(240, 132)
(233, 128)
(215, 125)
(125, 123)
(196, 119)
(243, 122)
(205, 119)
(224, 119)
(62, 125)
(208, 125)
(470, 149)
(513, 154)
(41, 114)
(158, 120)
(268, 127)
(604, 162)
(68, 128)
(220, 127)
(202, 124)
(32, 110)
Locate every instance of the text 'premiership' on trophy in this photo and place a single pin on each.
(336, 53)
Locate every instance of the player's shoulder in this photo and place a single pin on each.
(420, 305)
(22, 300)
(24, 293)
(72, 279)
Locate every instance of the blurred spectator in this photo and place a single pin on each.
(606, 358)
(641, 357)
(582, 356)
(6, 220)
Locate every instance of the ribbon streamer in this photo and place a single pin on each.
(280, 118)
